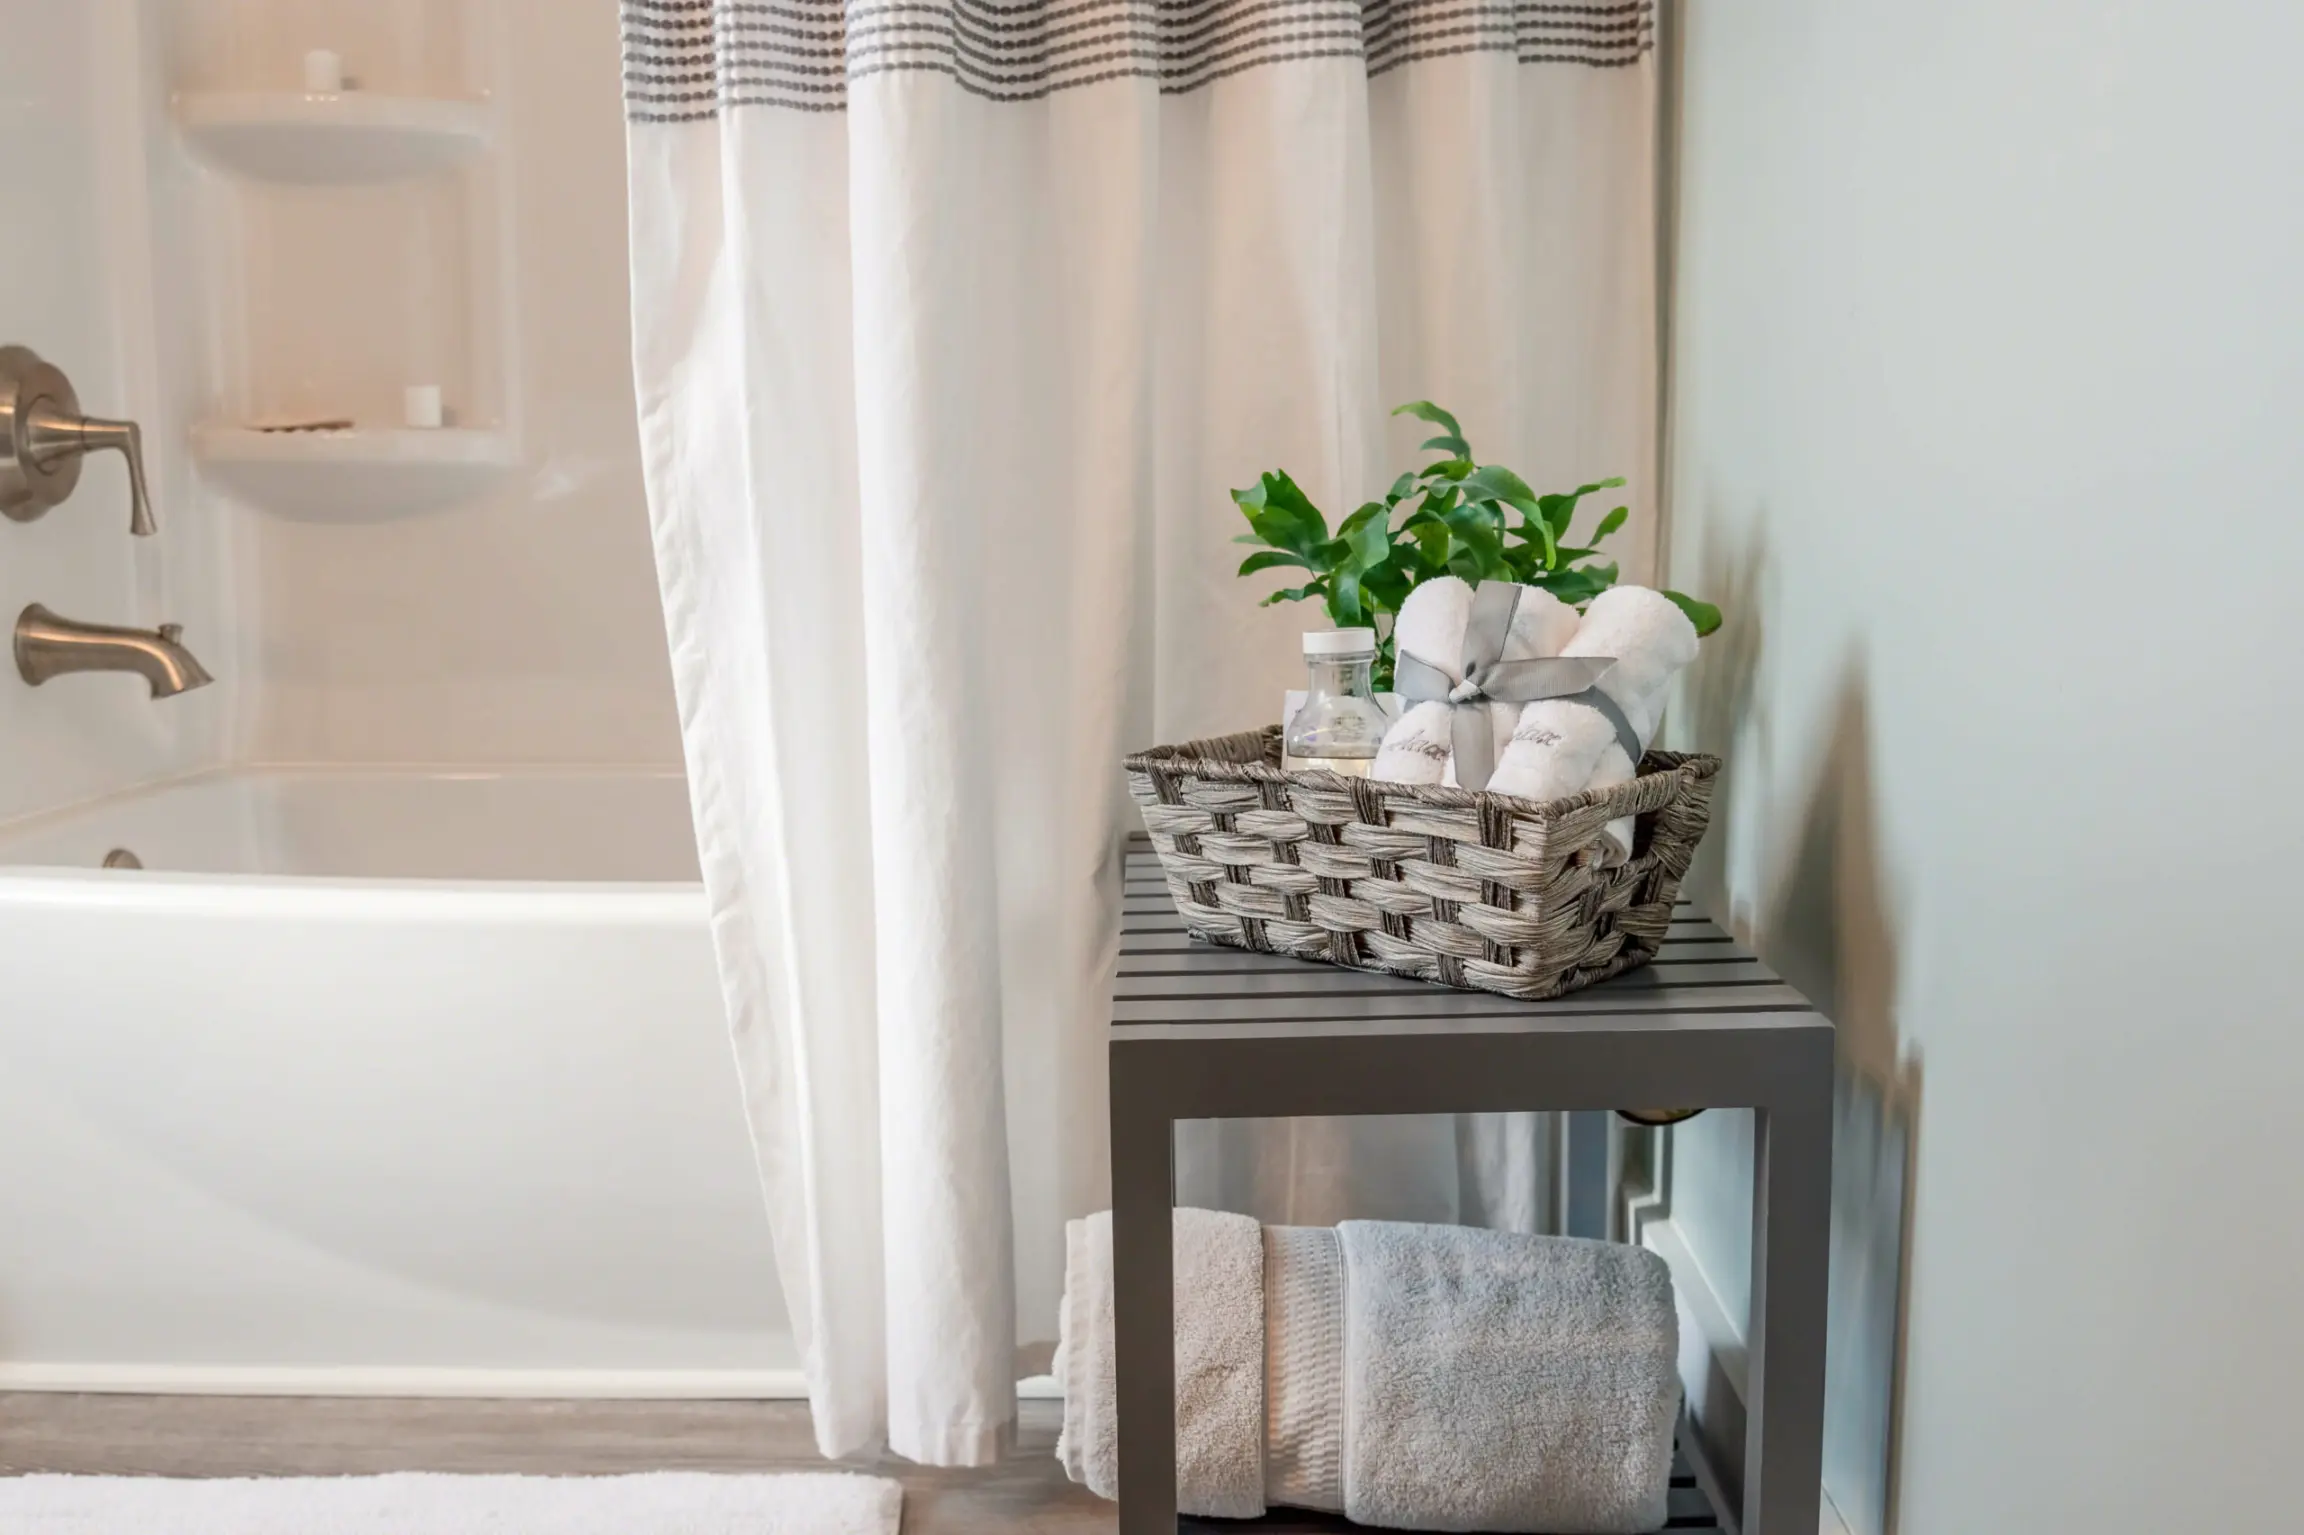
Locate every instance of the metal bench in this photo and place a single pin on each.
(1205, 1032)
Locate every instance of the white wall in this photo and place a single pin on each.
(1988, 373)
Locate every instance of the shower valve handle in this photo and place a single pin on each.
(43, 437)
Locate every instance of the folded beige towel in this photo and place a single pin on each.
(1219, 1264)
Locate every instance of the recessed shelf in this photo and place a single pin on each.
(365, 474)
(348, 136)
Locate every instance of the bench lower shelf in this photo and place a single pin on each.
(1691, 1510)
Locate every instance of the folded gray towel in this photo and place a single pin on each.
(1422, 1377)
(1498, 1381)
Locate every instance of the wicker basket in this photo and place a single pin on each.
(1486, 891)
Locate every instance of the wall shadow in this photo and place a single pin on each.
(1800, 874)
(1829, 925)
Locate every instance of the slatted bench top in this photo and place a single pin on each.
(1170, 983)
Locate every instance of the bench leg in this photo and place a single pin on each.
(1143, 1313)
(1791, 1215)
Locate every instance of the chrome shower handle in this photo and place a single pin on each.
(54, 435)
(43, 437)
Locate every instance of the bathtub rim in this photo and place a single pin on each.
(161, 892)
(165, 890)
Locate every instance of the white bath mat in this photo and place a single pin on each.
(658, 1503)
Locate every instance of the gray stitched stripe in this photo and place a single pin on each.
(690, 60)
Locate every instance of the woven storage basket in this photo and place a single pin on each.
(1477, 890)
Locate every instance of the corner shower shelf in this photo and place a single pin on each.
(365, 474)
(349, 136)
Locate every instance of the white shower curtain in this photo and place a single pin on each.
(954, 321)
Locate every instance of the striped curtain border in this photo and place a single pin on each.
(686, 60)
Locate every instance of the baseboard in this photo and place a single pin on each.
(1713, 1371)
(321, 1380)
(1712, 1357)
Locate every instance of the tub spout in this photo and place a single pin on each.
(49, 646)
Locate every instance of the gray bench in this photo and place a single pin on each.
(1204, 1032)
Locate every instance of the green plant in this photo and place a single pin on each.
(1477, 521)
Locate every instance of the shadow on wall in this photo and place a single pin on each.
(1800, 876)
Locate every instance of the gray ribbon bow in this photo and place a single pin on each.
(1488, 677)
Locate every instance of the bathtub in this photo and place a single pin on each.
(374, 1082)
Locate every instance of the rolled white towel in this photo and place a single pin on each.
(1542, 626)
(1555, 749)
(1416, 749)
(1431, 626)
(1432, 621)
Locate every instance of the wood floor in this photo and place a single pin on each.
(320, 1436)
(1026, 1494)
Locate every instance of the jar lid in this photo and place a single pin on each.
(1339, 642)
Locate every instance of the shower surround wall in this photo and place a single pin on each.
(464, 620)
(78, 284)
(520, 624)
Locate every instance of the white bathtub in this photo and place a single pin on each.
(374, 1082)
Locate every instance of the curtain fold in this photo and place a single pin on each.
(954, 323)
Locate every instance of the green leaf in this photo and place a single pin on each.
(1281, 513)
(1369, 533)
(1433, 542)
(1579, 585)
(1611, 523)
(1280, 530)
(1271, 557)
(1454, 447)
(1402, 488)
(1493, 482)
(1447, 469)
(1487, 551)
(1703, 615)
(1481, 515)
(1388, 585)
(1560, 509)
(1543, 534)
(1556, 512)
(1425, 410)
(1296, 593)
(1344, 604)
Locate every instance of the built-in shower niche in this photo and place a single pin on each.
(357, 241)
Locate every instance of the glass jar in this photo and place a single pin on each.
(1341, 725)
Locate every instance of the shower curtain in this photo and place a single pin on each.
(954, 321)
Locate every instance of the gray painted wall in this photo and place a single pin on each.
(1987, 429)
